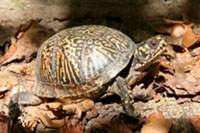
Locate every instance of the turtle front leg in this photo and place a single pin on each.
(126, 97)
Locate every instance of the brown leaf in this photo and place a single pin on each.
(182, 63)
(154, 116)
(29, 122)
(32, 110)
(195, 121)
(178, 30)
(9, 53)
(156, 96)
(119, 124)
(100, 123)
(4, 124)
(78, 108)
(53, 114)
(183, 99)
(25, 42)
(48, 122)
(160, 125)
(181, 32)
(71, 129)
(189, 38)
(41, 112)
(143, 93)
(194, 74)
(7, 81)
(196, 98)
(182, 87)
(120, 128)
(170, 21)
(27, 70)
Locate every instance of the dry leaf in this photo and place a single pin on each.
(189, 38)
(181, 32)
(7, 82)
(8, 53)
(72, 129)
(144, 89)
(25, 42)
(53, 114)
(29, 122)
(48, 122)
(156, 96)
(4, 124)
(33, 114)
(182, 87)
(26, 70)
(194, 74)
(8, 78)
(183, 99)
(182, 63)
(170, 21)
(154, 116)
(195, 121)
(119, 124)
(160, 125)
(78, 108)
(178, 65)
(196, 98)
(143, 93)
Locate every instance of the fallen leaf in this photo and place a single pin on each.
(156, 96)
(194, 74)
(29, 122)
(195, 121)
(71, 129)
(189, 38)
(100, 123)
(160, 125)
(25, 42)
(181, 32)
(25, 70)
(33, 114)
(196, 98)
(119, 124)
(78, 108)
(8, 53)
(8, 77)
(4, 123)
(182, 63)
(7, 82)
(154, 116)
(48, 122)
(143, 90)
(182, 87)
(179, 64)
(53, 114)
(183, 100)
(143, 93)
(170, 21)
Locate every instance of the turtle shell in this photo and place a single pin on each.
(80, 61)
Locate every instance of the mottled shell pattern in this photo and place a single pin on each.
(78, 62)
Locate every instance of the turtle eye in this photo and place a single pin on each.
(153, 44)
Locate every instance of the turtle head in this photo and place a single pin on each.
(149, 50)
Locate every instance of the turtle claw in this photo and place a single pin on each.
(127, 97)
(134, 114)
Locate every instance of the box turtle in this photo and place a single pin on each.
(86, 61)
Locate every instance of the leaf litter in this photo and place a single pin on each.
(173, 80)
